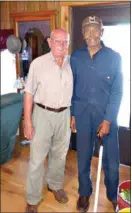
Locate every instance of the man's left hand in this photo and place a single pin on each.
(104, 128)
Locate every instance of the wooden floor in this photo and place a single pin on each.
(13, 178)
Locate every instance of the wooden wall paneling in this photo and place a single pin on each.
(54, 5)
(57, 8)
(26, 6)
(42, 5)
(32, 6)
(13, 6)
(64, 17)
(50, 5)
(21, 6)
(13, 9)
(2, 11)
(8, 14)
(33, 16)
(5, 15)
(65, 20)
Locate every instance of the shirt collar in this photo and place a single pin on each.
(102, 49)
(66, 57)
(102, 44)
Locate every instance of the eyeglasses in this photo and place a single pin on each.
(58, 41)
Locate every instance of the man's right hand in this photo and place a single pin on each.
(73, 124)
(28, 130)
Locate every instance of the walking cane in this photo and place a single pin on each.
(98, 174)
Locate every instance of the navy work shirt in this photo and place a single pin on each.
(97, 81)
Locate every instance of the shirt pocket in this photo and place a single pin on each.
(106, 78)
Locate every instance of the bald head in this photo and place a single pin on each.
(60, 31)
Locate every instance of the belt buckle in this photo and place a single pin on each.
(57, 110)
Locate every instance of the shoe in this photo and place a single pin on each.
(115, 206)
(83, 203)
(59, 195)
(31, 208)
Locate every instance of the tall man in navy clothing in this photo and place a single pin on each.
(95, 105)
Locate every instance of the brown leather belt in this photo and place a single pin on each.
(51, 109)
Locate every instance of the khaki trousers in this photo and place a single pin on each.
(52, 138)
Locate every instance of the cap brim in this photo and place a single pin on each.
(98, 24)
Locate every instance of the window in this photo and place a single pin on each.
(118, 38)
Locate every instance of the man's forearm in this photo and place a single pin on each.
(28, 105)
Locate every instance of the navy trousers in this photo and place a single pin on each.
(86, 125)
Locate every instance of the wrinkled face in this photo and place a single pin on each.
(59, 43)
(92, 35)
